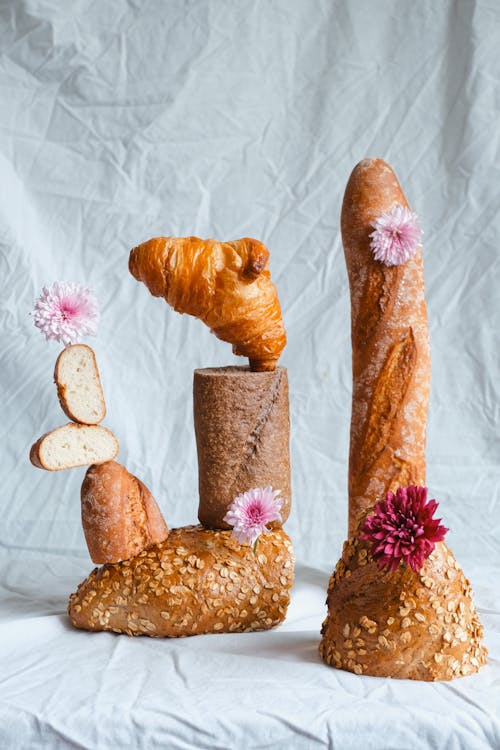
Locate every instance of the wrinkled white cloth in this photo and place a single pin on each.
(60, 687)
(124, 120)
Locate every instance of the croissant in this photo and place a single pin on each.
(225, 284)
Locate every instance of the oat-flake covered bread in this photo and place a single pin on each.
(196, 581)
(120, 517)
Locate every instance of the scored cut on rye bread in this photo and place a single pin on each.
(74, 445)
(79, 386)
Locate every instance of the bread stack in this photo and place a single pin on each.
(83, 441)
(200, 579)
(395, 622)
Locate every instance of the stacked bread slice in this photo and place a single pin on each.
(83, 441)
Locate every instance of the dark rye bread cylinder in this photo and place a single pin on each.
(242, 426)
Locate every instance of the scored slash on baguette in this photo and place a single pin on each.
(79, 386)
(74, 445)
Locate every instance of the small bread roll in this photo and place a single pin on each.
(196, 581)
(74, 445)
(417, 626)
(79, 386)
(120, 517)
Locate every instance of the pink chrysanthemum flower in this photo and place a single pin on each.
(396, 237)
(66, 312)
(250, 513)
(402, 529)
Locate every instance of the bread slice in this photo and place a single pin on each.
(74, 445)
(79, 386)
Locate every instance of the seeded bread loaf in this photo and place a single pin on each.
(79, 386)
(242, 427)
(74, 445)
(120, 517)
(416, 626)
(390, 349)
(196, 581)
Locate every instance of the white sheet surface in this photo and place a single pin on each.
(66, 688)
(124, 120)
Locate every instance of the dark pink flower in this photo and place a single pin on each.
(396, 237)
(66, 312)
(402, 529)
(250, 513)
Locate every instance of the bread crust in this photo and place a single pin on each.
(120, 517)
(62, 387)
(197, 581)
(242, 428)
(225, 284)
(406, 625)
(36, 450)
(390, 349)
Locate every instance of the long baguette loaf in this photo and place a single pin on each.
(390, 349)
(120, 517)
(196, 581)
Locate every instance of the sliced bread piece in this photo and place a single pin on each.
(79, 386)
(74, 445)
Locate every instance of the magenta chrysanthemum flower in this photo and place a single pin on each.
(250, 513)
(396, 237)
(66, 312)
(402, 529)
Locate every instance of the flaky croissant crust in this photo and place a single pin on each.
(225, 284)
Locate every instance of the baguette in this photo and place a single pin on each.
(197, 581)
(74, 445)
(390, 349)
(120, 517)
(79, 386)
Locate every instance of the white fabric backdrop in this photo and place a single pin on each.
(121, 121)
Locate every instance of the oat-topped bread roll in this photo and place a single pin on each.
(196, 581)
(402, 624)
(79, 386)
(398, 602)
(225, 284)
(390, 347)
(242, 426)
(120, 516)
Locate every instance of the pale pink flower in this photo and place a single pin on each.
(250, 512)
(66, 312)
(396, 237)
